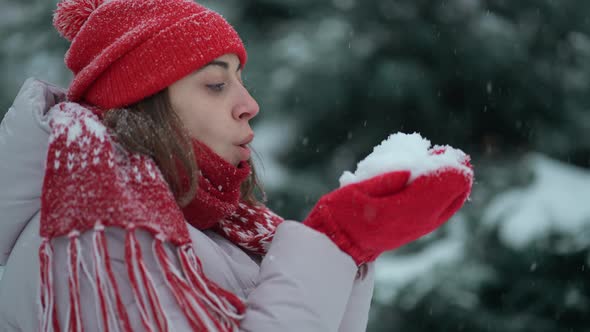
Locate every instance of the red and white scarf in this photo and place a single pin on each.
(91, 183)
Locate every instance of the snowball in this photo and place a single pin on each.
(408, 152)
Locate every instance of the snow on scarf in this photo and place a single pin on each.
(91, 183)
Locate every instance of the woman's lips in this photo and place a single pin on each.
(247, 140)
(243, 148)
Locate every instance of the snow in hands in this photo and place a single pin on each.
(409, 152)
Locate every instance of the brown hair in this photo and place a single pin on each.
(152, 127)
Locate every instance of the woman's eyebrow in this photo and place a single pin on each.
(222, 64)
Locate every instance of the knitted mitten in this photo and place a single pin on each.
(365, 219)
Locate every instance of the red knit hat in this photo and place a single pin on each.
(125, 50)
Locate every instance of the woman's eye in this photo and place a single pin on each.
(216, 87)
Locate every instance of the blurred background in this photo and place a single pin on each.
(508, 82)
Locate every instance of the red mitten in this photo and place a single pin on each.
(367, 218)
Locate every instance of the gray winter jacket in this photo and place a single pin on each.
(304, 283)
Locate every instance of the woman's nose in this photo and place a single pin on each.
(247, 107)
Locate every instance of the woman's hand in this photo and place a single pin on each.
(365, 219)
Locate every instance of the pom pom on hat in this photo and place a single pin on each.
(70, 15)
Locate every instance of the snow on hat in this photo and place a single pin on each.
(125, 50)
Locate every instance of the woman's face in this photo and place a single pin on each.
(216, 108)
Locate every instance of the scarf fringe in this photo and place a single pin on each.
(192, 301)
(206, 306)
(142, 284)
(227, 305)
(48, 312)
(107, 285)
(74, 320)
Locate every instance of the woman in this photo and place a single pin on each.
(128, 205)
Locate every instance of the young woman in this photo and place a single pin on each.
(127, 202)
